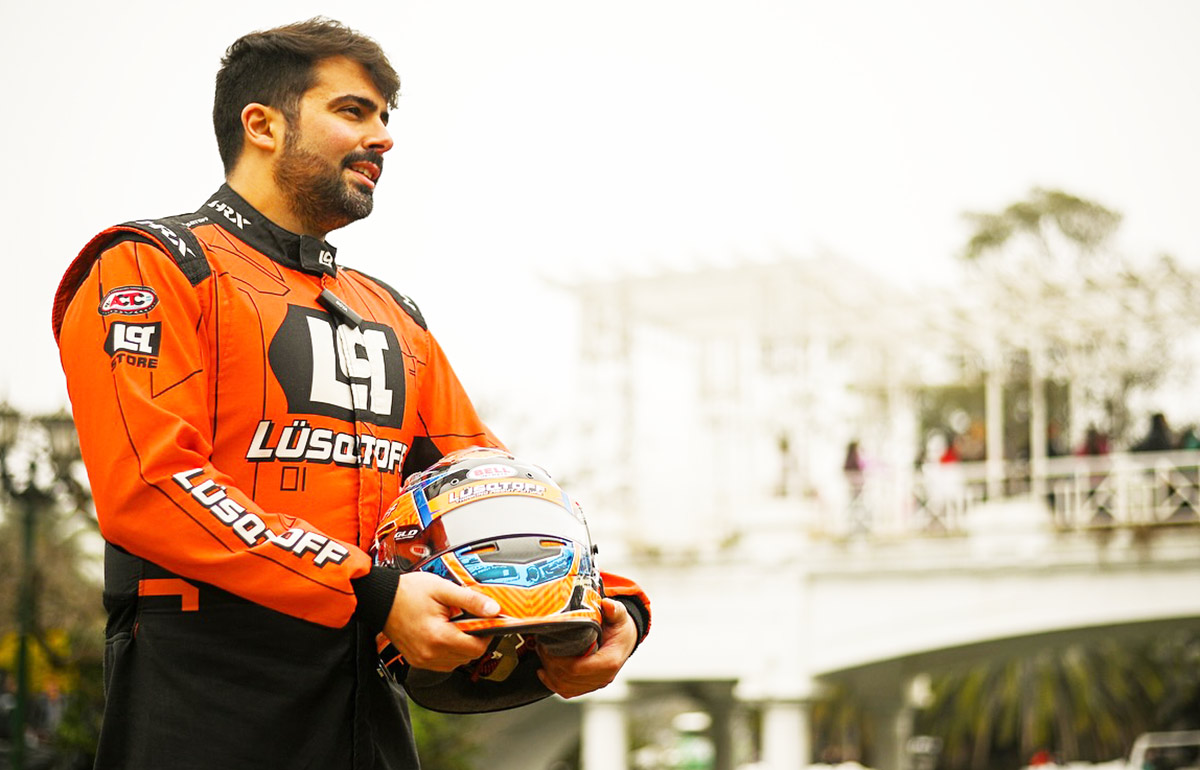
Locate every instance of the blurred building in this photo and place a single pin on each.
(820, 476)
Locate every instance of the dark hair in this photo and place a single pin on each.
(275, 67)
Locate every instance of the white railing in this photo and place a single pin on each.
(1076, 493)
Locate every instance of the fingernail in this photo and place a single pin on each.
(491, 607)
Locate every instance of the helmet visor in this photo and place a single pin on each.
(490, 518)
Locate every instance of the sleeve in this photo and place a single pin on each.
(447, 421)
(134, 346)
(633, 597)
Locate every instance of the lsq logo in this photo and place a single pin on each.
(326, 368)
(141, 339)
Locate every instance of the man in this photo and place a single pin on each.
(247, 408)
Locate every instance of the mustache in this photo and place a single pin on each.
(367, 156)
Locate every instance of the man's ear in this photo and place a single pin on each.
(264, 127)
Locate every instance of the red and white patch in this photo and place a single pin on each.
(128, 300)
(491, 471)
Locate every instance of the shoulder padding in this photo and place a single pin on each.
(171, 234)
(403, 301)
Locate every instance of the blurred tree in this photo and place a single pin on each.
(443, 740)
(1084, 702)
(1041, 226)
(840, 728)
(1053, 288)
(1178, 707)
(66, 625)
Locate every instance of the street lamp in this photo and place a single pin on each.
(63, 444)
(61, 447)
(64, 441)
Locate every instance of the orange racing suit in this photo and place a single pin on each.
(242, 436)
(247, 408)
(269, 426)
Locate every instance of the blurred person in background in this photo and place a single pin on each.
(1158, 438)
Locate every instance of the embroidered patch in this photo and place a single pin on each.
(129, 300)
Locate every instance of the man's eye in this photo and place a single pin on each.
(353, 110)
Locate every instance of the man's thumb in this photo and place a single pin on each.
(613, 610)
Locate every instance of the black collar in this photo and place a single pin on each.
(301, 252)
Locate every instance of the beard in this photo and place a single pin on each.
(317, 191)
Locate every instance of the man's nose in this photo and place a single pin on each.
(380, 140)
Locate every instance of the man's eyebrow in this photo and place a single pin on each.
(362, 101)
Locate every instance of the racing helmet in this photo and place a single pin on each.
(500, 526)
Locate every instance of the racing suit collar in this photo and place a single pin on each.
(231, 211)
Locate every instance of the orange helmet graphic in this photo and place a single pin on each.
(500, 526)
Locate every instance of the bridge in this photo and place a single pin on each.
(769, 621)
(766, 622)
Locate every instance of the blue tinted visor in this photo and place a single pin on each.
(497, 518)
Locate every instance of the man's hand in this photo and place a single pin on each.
(574, 676)
(419, 622)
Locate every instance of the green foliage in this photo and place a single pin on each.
(80, 727)
(443, 740)
(66, 649)
(960, 407)
(1084, 702)
(841, 730)
(1084, 223)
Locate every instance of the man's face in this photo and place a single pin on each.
(333, 152)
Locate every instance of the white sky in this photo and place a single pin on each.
(574, 139)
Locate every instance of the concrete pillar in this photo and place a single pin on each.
(891, 731)
(742, 732)
(786, 735)
(605, 733)
(720, 705)
(888, 692)
(891, 728)
(993, 397)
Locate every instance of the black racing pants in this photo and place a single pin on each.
(199, 679)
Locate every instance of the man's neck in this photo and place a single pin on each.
(261, 192)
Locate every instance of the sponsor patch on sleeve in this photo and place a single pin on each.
(128, 300)
(133, 344)
(133, 338)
